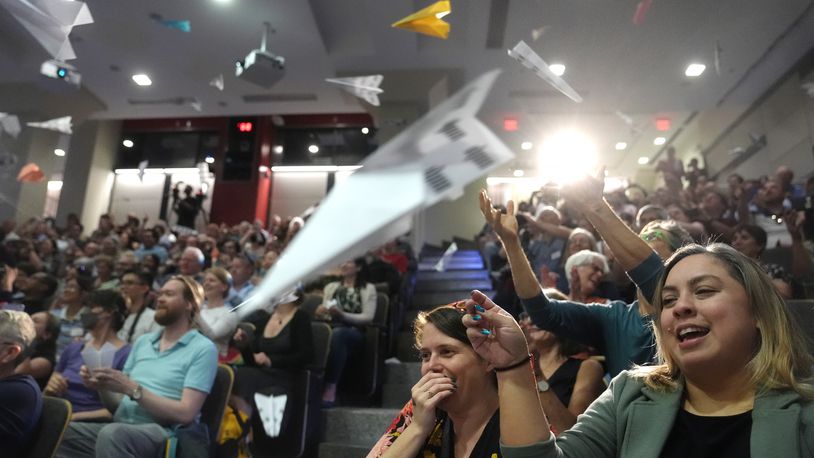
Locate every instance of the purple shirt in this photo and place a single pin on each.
(82, 398)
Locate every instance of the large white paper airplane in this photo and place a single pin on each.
(432, 160)
(10, 124)
(526, 56)
(62, 124)
(50, 22)
(364, 87)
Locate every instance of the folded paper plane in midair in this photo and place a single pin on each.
(10, 124)
(364, 87)
(428, 21)
(432, 160)
(217, 82)
(526, 56)
(30, 173)
(62, 124)
(50, 22)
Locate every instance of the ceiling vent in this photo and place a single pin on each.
(266, 98)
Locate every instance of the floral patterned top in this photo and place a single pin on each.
(441, 442)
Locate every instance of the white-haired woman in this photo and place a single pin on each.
(584, 271)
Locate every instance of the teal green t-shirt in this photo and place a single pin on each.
(191, 363)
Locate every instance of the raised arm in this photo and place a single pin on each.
(505, 226)
(586, 196)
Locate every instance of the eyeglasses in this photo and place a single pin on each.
(656, 234)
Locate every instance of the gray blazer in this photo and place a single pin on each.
(632, 420)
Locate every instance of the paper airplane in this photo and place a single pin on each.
(182, 25)
(196, 105)
(217, 82)
(62, 124)
(538, 32)
(10, 124)
(50, 22)
(717, 57)
(441, 265)
(271, 409)
(364, 87)
(630, 123)
(30, 173)
(142, 167)
(526, 56)
(432, 160)
(641, 11)
(428, 21)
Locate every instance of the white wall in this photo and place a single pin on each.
(293, 192)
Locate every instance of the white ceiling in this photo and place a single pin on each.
(614, 64)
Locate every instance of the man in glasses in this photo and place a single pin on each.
(20, 397)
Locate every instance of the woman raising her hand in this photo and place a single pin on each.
(734, 378)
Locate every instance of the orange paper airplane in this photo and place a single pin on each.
(428, 21)
(30, 173)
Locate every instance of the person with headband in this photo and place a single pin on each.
(164, 383)
(733, 376)
(454, 406)
(103, 319)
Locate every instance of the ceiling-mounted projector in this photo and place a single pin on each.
(61, 71)
(260, 66)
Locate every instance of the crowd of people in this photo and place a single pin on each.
(669, 294)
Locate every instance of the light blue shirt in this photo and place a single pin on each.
(191, 363)
(157, 250)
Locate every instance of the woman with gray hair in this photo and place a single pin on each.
(584, 271)
(20, 397)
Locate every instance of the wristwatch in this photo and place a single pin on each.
(137, 393)
(543, 386)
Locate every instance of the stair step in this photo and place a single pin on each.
(356, 426)
(404, 372)
(428, 301)
(457, 256)
(343, 450)
(447, 285)
(431, 275)
(395, 395)
(453, 264)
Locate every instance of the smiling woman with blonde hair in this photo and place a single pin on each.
(734, 377)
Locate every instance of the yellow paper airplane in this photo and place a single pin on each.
(428, 21)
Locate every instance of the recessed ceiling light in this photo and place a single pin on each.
(694, 70)
(621, 146)
(263, 169)
(519, 173)
(365, 130)
(142, 80)
(209, 160)
(644, 160)
(127, 143)
(313, 149)
(525, 146)
(658, 141)
(59, 152)
(557, 69)
(278, 149)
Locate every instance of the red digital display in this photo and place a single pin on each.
(244, 126)
(663, 124)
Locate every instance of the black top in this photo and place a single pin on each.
(293, 347)
(488, 445)
(563, 379)
(700, 437)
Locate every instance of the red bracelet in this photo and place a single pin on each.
(514, 366)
